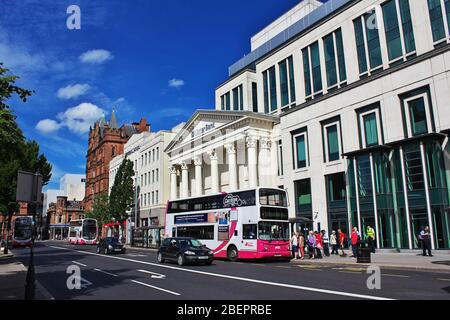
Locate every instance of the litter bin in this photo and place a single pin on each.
(363, 253)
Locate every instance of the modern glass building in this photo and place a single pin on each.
(362, 91)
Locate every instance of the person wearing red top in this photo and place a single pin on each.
(342, 236)
(355, 238)
(319, 244)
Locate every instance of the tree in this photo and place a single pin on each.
(8, 88)
(100, 211)
(121, 199)
(16, 153)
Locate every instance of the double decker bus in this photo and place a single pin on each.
(83, 231)
(246, 224)
(22, 232)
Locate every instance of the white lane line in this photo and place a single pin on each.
(80, 264)
(157, 288)
(154, 274)
(442, 279)
(395, 275)
(275, 284)
(111, 274)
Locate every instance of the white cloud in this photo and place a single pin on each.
(78, 119)
(73, 91)
(176, 83)
(47, 126)
(96, 56)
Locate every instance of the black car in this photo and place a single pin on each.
(110, 245)
(184, 251)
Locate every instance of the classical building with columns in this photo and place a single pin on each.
(219, 151)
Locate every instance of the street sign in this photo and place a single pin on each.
(29, 187)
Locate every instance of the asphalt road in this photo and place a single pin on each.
(137, 276)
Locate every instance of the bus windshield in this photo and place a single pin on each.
(22, 229)
(90, 230)
(268, 231)
(272, 197)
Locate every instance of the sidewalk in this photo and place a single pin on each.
(405, 261)
(12, 280)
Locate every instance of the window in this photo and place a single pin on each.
(145, 159)
(439, 11)
(287, 82)
(336, 188)
(417, 113)
(301, 150)
(157, 153)
(332, 142)
(238, 98)
(157, 175)
(145, 179)
(200, 233)
(255, 97)
(270, 90)
(398, 28)
(370, 127)
(156, 197)
(249, 231)
(312, 71)
(334, 59)
(153, 155)
(368, 43)
(225, 101)
(153, 176)
(153, 197)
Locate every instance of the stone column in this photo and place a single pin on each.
(252, 143)
(264, 164)
(184, 190)
(232, 166)
(214, 171)
(173, 183)
(198, 176)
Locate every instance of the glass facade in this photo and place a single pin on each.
(418, 116)
(273, 89)
(266, 92)
(370, 129)
(330, 60)
(367, 42)
(303, 203)
(337, 202)
(300, 146)
(287, 82)
(307, 72)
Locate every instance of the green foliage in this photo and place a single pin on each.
(121, 198)
(16, 153)
(100, 210)
(8, 88)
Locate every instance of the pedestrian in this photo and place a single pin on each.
(370, 232)
(311, 243)
(425, 238)
(342, 239)
(301, 245)
(355, 239)
(334, 243)
(294, 245)
(326, 243)
(319, 245)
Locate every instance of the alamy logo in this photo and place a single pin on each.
(73, 21)
(74, 280)
(374, 280)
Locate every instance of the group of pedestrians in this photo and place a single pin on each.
(316, 245)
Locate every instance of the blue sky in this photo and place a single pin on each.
(156, 59)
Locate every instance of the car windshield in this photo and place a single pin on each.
(190, 243)
(268, 230)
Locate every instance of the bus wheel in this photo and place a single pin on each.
(232, 254)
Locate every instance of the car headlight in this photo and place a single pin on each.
(189, 253)
(110, 247)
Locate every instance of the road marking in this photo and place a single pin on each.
(111, 274)
(283, 267)
(85, 283)
(352, 272)
(80, 264)
(351, 269)
(135, 255)
(157, 288)
(154, 274)
(259, 265)
(442, 279)
(395, 275)
(275, 284)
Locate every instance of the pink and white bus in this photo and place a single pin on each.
(22, 232)
(246, 224)
(83, 231)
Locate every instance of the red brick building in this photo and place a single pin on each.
(106, 140)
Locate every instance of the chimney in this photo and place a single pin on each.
(142, 125)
